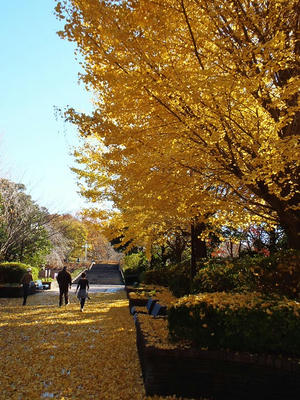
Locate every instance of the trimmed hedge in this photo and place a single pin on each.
(155, 277)
(176, 277)
(12, 272)
(242, 321)
(133, 266)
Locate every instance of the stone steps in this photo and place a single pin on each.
(104, 274)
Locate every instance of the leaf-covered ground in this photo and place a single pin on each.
(61, 353)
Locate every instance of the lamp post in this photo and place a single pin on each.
(85, 251)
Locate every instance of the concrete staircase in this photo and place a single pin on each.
(104, 274)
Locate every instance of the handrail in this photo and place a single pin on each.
(122, 273)
(93, 262)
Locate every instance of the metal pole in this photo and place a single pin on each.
(85, 251)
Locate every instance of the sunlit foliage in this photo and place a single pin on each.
(196, 111)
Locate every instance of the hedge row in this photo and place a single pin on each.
(242, 321)
(279, 274)
(175, 277)
(12, 272)
(133, 266)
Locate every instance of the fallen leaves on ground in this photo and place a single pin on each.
(159, 293)
(58, 352)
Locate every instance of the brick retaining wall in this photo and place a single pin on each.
(219, 375)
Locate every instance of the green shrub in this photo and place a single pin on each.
(225, 276)
(276, 274)
(133, 266)
(179, 277)
(155, 277)
(179, 284)
(135, 261)
(176, 277)
(242, 321)
(12, 272)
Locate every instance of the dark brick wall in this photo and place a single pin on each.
(218, 375)
(8, 292)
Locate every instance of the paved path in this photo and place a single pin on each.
(52, 353)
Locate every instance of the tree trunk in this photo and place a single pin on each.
(199, 249)
(164, 256)
(239, 248)
(272, 241)
(291, 226)
(288, 218)
(178, 246)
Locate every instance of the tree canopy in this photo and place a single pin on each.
(196, 111)
(74, 234)
(23, 226)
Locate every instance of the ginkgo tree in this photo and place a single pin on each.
(196, 109)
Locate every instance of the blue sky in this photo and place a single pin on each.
(38, 71)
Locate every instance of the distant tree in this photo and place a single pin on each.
(74, 233)
(256, 239)
(23, 226)
(60, 243)
(99, 248)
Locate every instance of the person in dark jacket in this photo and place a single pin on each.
(83, 286)
(64, 280)
(27, 278)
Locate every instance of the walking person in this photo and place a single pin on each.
(27, 278)
(83, 286)
(64, 280)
